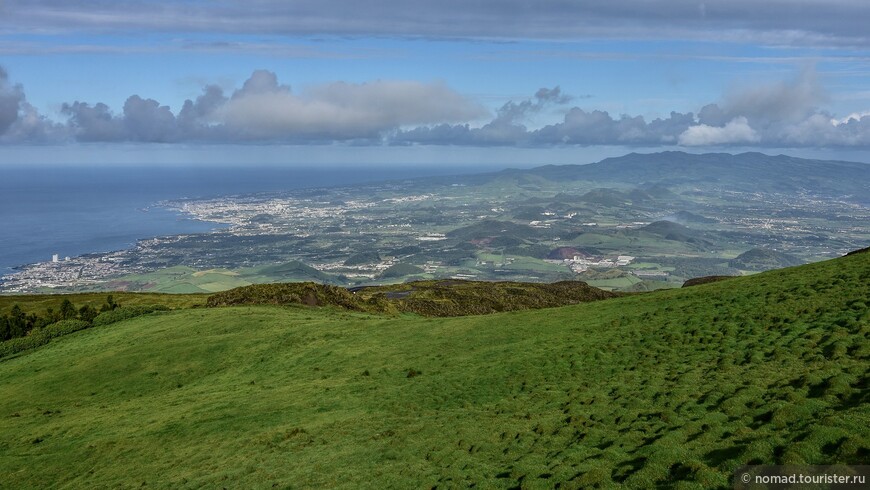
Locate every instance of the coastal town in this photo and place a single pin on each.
(417, 229)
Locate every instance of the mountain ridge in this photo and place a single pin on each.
(781, 173)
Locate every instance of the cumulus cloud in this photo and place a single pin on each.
(735, 131)
(267, 111)
(263, 110)
(785, 113)
(855, 116)
(785, 101)
(20, 121)
(786, 22)
(11, 97)
(93, 123)
(599, 127)
(778, 114)
(578, 127)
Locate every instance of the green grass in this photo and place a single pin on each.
(670, 388)
(522, 263)
(615, 283)
(40, 303)
(187, 280)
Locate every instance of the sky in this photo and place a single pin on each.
(509, 82)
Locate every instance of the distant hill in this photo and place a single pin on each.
(492, 229)
(859, 251)
(683, 217)
(401, 270)
(697, 281)
(759, 259)
(529, 212)
(605, 197)
(676, 232)
(562, 253)
(745, 171)
(294, 271)
(659, 191)
(364, 257)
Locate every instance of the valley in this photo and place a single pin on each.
(543, 225)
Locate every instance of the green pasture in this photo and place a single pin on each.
(674, 388)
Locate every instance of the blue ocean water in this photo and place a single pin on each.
(72, 211)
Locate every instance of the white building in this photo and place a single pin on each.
(624, 259)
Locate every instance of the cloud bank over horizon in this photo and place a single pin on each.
(783, 114)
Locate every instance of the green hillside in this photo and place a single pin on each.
(668, 388)
(758, 259)
(40, 303)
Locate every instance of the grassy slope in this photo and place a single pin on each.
(39, 303)
(672, 385)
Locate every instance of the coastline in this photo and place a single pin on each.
(94, 268)
(78, 211)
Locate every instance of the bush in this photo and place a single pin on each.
(64, 327)
(41, 336)
(305, 293)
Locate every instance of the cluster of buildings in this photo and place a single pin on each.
(57, 273)
(579, 263)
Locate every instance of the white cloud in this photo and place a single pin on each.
(339, 110)
(264, 110)
(855, 116)
(735, 131)
(397, 112)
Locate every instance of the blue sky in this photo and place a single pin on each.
(424, 81)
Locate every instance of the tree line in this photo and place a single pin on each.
(18, 323)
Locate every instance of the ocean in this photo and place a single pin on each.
(75, 210)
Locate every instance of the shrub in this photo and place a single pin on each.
(64, 327)
(41, 336)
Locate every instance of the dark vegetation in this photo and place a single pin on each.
(366, 257)
(492, 229)
(18, 323)
(694, 266)
(759, 259)
(401, 270)
(537, 250)
(41, 304)
(670, 230)
(563, 253)
(300, 293)
(21, 331)
(859, 251)
(426, 298)
(294, 270)
(459, 298)
(697, 281)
